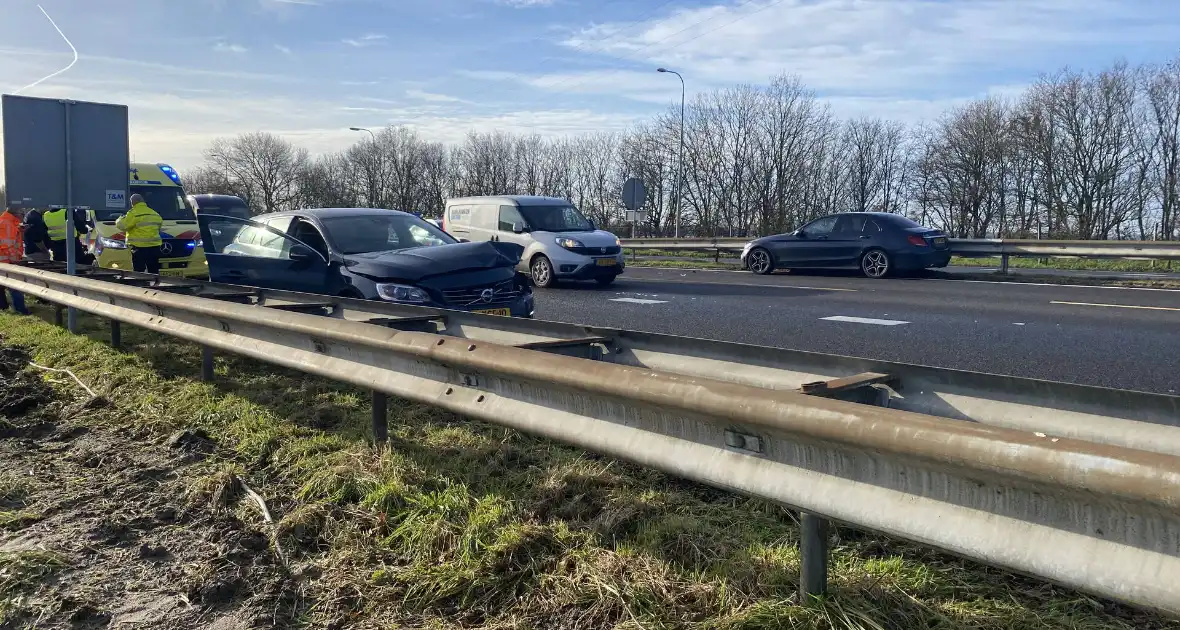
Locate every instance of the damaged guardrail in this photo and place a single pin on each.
(1096, 517)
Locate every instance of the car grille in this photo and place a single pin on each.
(613, 250)
(503, 294)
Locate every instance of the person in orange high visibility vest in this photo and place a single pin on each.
(11, 251)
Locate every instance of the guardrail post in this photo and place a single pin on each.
(1003, 263)
(57, 315)
(813, 556)
(717, 256)
(206, 364)
(380, 418)
(116, 333)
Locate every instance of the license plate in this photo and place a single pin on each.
(605, 262)
(502, 312)
(172, 272)
(940, 241)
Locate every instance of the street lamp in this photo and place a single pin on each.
(366, 130)
(680, 165)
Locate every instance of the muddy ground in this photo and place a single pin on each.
(99, 527)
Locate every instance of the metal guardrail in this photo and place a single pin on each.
(967, 248)
(1035, 502)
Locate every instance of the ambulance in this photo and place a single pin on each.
(181, 253)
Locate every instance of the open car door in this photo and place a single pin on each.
(245, 252)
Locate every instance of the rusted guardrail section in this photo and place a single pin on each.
(1033, 503)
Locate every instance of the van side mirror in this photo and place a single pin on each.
(518, 228)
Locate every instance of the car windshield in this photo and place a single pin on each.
(168, 201)
(564, 218)
(362, 234)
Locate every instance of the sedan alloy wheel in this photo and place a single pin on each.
(759, 261)
(875, 263)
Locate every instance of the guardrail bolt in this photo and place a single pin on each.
(813, 552)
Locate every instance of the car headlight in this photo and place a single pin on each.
(618, 242)
(105, 242)
(402, 293)
(569, 243)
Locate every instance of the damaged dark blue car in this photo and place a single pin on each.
(367, 253)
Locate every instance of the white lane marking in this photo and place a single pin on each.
(1146, 308)
(864, 320)
(1017, 323)
(638, 301)
(737, 284)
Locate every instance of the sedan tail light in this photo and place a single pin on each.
(916, 240)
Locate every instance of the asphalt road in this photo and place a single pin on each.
(1111, 337)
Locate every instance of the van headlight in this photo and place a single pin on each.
(105, 242)
(402, 293)
(569, 243)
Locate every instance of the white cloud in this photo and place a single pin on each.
(284, 49)
(854, 46)
(422, 95)
(365, 40)
(230, 48)
(525, 4)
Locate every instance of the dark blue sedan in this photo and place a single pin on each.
(366, 253)
(877, 243)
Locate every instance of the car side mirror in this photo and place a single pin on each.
(302, 253)
(518, 228)
(800, 233)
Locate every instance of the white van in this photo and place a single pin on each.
(559, 242)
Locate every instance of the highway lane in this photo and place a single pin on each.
(1111, 337)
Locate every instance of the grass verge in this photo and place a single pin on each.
(467, 525)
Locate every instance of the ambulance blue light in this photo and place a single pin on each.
(170, 172)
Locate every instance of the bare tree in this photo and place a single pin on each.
(264, 164)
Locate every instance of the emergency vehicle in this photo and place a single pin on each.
(181, 253)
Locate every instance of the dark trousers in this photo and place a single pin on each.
(146, 259)
(58, 248)
(18, 301)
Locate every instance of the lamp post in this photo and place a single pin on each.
(680, 160)
(370, 132)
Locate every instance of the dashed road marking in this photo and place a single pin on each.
(1146, 308)
(638, 301)
(864, 320)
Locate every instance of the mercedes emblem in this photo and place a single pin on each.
(486, 295)
(166, 248)
(603, 250)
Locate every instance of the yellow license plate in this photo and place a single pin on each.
(502, 312)
(605, 262)
(172, 272)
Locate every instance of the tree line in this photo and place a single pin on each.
(1079, 154)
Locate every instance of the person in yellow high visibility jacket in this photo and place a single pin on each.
(55, 224)
(141, 228)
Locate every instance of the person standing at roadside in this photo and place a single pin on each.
(36, 237)
(141, 227)
(11, 251)
(55, 225)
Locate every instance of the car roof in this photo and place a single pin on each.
(326, 213)
(520, 200)
(218, 198)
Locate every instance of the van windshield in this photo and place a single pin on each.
(168, 201)
(555, 219)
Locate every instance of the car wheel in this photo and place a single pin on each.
(606, 282)
(875, 264)
(541, 271)
(759, 261)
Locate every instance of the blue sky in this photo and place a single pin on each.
(193, 70)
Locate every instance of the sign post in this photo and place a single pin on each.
(634, 196)
(68, 154)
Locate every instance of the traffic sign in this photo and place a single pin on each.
(634, 193)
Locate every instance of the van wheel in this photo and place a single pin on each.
(541, 271)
